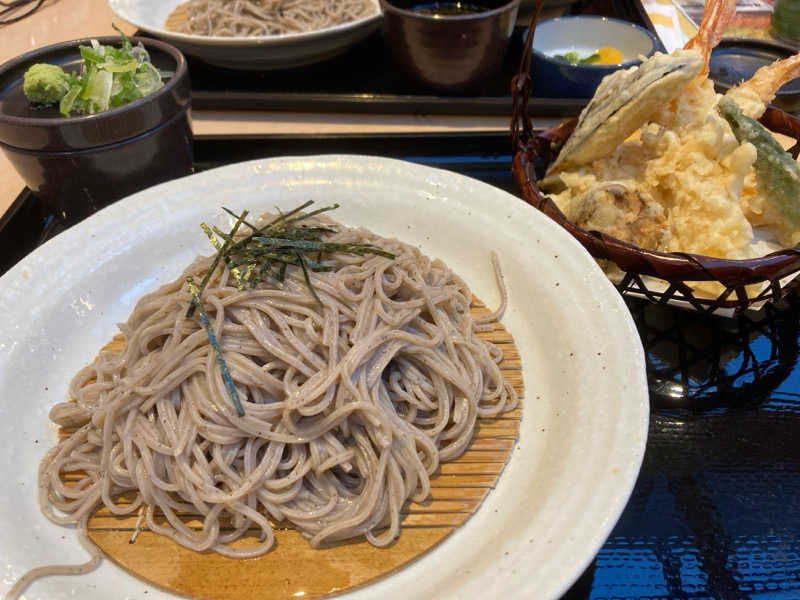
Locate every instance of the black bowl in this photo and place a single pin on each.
(453, 54)
(79, 164)
(736, 59)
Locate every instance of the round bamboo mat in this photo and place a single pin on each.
(292, 568)
(177, 17)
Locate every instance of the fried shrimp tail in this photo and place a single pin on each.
(716, 18)
(753, 95)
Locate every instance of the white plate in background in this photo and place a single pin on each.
(255, 53)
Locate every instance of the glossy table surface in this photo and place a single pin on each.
(716, 509)
(715, 512)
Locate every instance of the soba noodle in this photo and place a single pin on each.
(350, 405)
(246, 18)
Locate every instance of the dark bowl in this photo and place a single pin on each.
(78, 164)
(736, 59)
(453, 54)
(556, 78)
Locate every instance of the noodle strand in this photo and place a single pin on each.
(350, 405)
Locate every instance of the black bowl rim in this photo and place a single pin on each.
(616, 66)
(86, 150)
(181, 70)
(742, 42)
(389, 8)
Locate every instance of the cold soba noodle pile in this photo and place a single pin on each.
(348, 391)
(243, 18)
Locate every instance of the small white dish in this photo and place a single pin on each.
(585, 34)
(585, 408)
(253, 53)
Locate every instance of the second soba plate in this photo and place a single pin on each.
(585, 409)
(255, 53)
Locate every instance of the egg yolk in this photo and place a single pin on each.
(609, 55)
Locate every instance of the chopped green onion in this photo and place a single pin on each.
(574, 58)
(108, 77)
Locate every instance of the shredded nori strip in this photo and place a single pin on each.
(220, 254)
(212, 339)
(285, 241)
(267, 252)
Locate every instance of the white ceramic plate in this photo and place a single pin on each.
(585, 414)
(261, 52)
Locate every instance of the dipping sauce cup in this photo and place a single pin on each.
(450, 47)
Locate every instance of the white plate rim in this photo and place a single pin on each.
(118, 8)
(445, 192)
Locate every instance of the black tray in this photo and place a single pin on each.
(25, 225)
(716, 509)
(365, 80)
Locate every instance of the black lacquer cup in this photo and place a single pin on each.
(449, 53)
(78, 164)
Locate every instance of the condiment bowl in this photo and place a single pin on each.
(78, 164)
(555, 77)
(447, 52)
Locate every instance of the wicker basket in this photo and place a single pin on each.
(642, 269)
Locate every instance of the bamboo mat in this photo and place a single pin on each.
(177, 17)
(292, 569)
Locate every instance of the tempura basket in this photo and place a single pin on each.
(661, 277)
